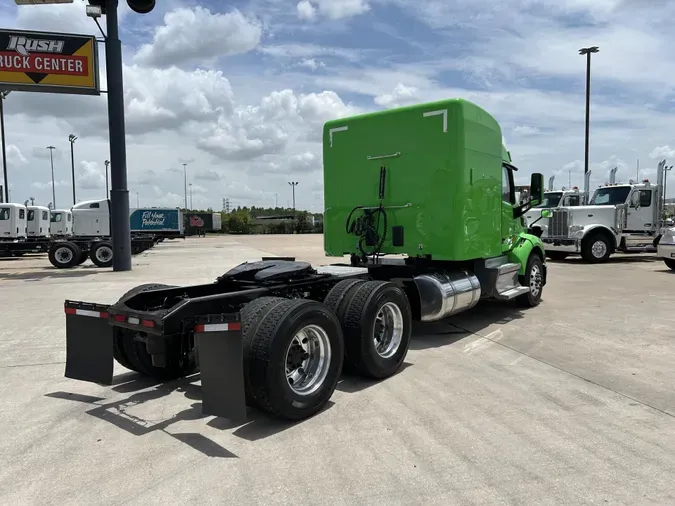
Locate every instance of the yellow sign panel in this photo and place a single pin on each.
(49, 62)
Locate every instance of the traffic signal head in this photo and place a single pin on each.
(141, 6)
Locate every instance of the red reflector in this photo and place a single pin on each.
(234, 326)
(120, 318)
(71, 310)
(104, 315)
(199, 328)
(148, 323)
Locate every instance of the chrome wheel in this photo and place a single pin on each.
(535, 280)
(599, 249)
(388, 331)
(63, 255)
(308, 359)
(103, 254)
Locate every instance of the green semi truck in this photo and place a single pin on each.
(422, 201)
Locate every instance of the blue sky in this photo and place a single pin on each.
(239, 90)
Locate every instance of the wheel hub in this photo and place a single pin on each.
(388, 330)
(535, 280)
(599, 249)
(308, 359)
(64, 255)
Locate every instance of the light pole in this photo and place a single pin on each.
(107, 191)
(191, 196)
(588, 51)
(293, 184)
(665, 185)
(3, 96)
(72, 138)
(51, 158)
(276, 200)
(185, 173)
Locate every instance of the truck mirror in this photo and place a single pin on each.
(546, 213)
(536, 189)
(635, 199)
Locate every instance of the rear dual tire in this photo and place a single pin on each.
(293, 355)
(376, 320)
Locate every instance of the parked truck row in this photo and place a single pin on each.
(70, 236)
(618, 217)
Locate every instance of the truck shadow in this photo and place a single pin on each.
(42, 273)
(138, 391)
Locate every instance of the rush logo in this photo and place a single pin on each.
(24, 46)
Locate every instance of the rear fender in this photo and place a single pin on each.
(89, 342)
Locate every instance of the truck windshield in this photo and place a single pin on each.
(551, 199)
(31, 215)
(610, 196)
(56, 217)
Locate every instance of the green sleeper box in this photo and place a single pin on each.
(443, 160)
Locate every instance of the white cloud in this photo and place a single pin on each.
(662, 152)
(332, 9)
(306, 10)
(197, 35)
(89, 176)
(401, 95)
(311, 63)
(14, 155)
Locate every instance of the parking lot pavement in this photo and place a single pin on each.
(572, 402)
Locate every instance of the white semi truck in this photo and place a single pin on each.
(61, 223)
(623, 217)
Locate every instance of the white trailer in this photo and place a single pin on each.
(37, 222)
(13, 222)
(61, 223)
(619, 217)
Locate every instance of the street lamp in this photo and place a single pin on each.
(107, 191)
(665, 185)
(588, 51)
(51, 158)
(185, 173)
(72, 138)
(293, 184)
(3, 96)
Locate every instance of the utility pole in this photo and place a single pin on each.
(185, 172)
(107, 190)
(588, 51)
(3, 96)
(72, 138)
(51, 158)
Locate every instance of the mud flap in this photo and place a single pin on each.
(89, 343)
(221, 365)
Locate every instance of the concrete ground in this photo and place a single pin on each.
(570, 403)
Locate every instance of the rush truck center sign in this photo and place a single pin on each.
(49, 62)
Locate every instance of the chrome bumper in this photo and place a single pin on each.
(561, 244)
(665, 251)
